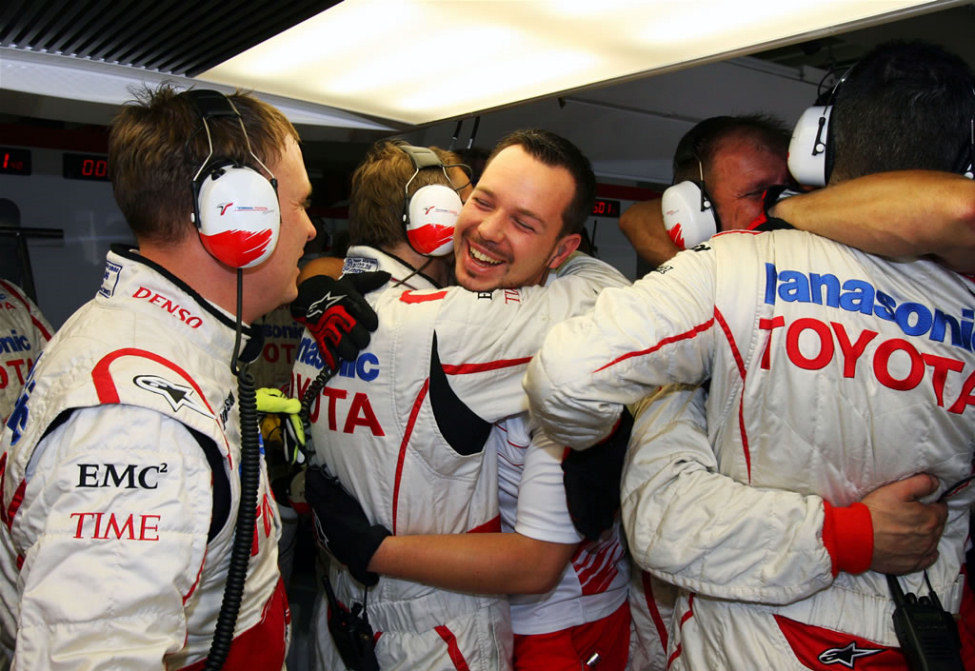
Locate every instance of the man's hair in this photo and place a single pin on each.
(905, 105)
(697, 148)
(378, 195)
(555, 151)
(157, 143)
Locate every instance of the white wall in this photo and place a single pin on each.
(66, 273)
(629, 131)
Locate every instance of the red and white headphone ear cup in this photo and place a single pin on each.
(687, 225)
(431, 216)
(239, 217)
(807, 148)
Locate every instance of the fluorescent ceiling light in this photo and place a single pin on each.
(92, 81)
(419, 61)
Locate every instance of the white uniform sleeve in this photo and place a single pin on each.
(543, 513)
(658, 331)
(691, 526)
(128, 500)
(491, 337)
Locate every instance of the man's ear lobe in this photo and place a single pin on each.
(563, 249)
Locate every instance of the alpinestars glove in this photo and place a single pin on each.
(337, 314)
(341, 525)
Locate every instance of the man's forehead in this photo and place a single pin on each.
(514, 160)
(745, 142)
(533, 185)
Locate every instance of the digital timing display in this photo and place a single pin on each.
(92, 167)
(606, 208)
(14, 161)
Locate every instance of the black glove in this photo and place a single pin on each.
(337, 314)
(773, 195)
(341, 525)
(592, 480)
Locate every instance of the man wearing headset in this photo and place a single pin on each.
(804, 343)
(734, 160)
(417, 455)
(571, 605)
(120, 464)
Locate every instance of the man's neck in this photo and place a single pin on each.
(189, 261)
(433, 267)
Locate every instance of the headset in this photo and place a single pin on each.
(811, 146)
(235, 208)
(429, 215)
(689, 214)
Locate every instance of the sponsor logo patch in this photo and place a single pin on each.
(177, 395)
(127, 476)
(855, 295)
(847, 656)
(359, 264)
(110, 279)
(111, 526)
(165, 303)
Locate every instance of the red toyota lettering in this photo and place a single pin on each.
(853, 350)
(941, 365)
(825, 348)
(769, 325)
(361, 414)
(881, 364)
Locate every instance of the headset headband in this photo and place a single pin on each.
(212, 104)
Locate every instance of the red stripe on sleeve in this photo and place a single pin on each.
(467, 368)
(700, 328)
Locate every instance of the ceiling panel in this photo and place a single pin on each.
(167, 36)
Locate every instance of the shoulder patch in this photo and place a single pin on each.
(177, 395)
(359, 264)
(164, 380)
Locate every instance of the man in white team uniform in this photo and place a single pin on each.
(121, 483)
(427, 436)
(770, 528)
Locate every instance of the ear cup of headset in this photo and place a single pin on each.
(430, 218)
(809, 145)
(237, 215)
(686, 222)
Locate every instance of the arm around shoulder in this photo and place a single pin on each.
(904, 213)
(643, 225)
(490, 563)
(697, 528)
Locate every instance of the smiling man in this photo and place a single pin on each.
(406, 428)
(506, 236)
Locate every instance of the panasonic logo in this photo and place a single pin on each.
(913, 319)
(14, 343)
